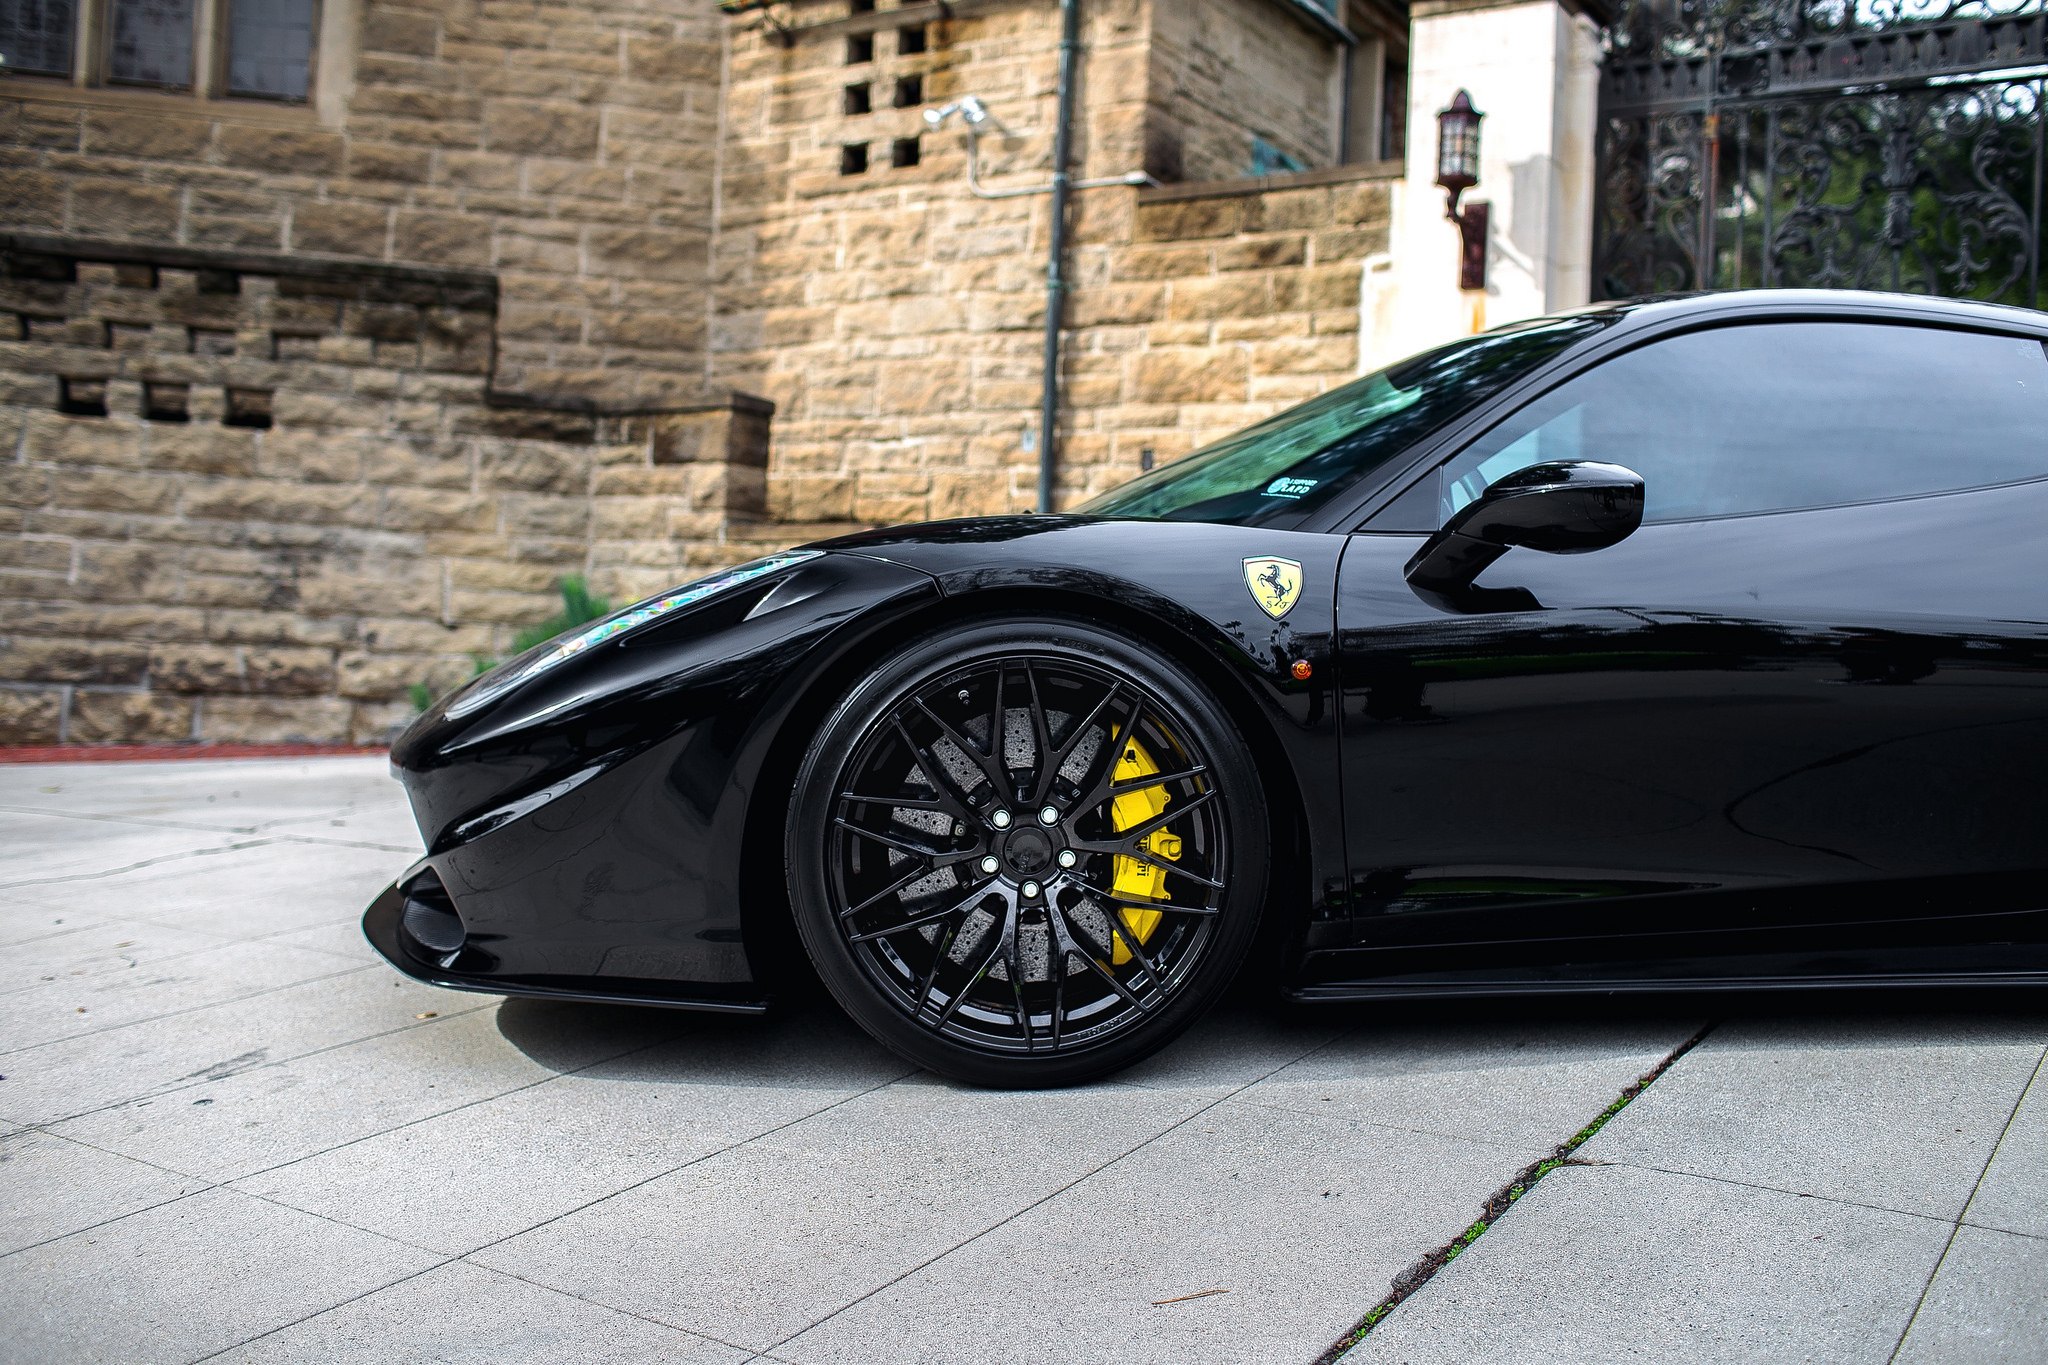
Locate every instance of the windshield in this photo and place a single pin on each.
(1277, 472)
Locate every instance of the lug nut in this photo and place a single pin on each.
(989, 864)
(1049, 816)
(1001, 819)
(1031, 890)
(1068, 857)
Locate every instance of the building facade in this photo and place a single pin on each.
(333, 336)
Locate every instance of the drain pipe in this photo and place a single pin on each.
(1056, 252)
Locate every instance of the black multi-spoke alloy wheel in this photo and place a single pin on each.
(1027, 852)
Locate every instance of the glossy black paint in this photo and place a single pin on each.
(1784, 748)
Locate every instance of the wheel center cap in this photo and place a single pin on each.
(1028, 851)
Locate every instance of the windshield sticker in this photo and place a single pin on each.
(1289, 488)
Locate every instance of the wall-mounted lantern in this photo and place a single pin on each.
(1457, 170)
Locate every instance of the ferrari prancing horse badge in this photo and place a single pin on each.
(1274, 584)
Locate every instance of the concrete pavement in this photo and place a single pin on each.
(226, 1129)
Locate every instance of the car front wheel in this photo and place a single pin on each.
(1027, 852)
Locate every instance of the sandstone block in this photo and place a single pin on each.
(1188, 375)
(281, 151)
(1260, 253)
(123, 208)
(1186, 219)
(25, 659)
(680, 254)
(152, 136)
(331, 592)
(121, 573)
(289, 672)
(273, 720)
(47, 555)
(1226, 296)
(341, 229)
(198, 449)
(128, 717)
(389, 161)
(541, 128)
(194, 668)
(1349, 244)
(34, 199)
(442, 239)
(367, 677)
(405, 32)
(29, 715)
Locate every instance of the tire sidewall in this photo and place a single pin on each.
(985, 641)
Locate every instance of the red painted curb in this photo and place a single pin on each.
(155, 753)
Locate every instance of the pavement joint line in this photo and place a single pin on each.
(148, 822)
(1085, 1176)
(590, 1203)
(1499, 1202)
(1769, 1189)
(1935, 1271)
(189, 1009)
(204, 1186)
(220, 941)
(452, 1109)
(192, 1080)
(1271, 1107)
(328, 841)
(135, 867)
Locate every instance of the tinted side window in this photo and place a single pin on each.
(1774, 416)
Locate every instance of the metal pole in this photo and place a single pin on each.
(1056, 250)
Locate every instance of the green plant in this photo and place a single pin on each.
(579, 608)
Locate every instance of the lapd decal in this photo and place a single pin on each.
(1275, 584)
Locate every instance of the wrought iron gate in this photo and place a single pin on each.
(1871, 144)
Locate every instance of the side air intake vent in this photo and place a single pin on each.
(429, 917)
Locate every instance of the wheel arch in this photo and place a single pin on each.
(767, 921)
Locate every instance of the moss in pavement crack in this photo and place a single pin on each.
(1498, 1203)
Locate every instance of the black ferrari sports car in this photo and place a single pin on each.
(1687, 643)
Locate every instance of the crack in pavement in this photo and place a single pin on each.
(1497, 1204)
(1964, 1212)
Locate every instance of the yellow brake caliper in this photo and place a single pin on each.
(1135, 879)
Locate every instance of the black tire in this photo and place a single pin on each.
(935, 903)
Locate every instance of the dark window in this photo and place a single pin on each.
(858, 100)
(150, 42)
(909, 92)
(1277, 472)
(1394, 111)
(1776, 416)
(82, 397)
(37, 35)
(166, 402)
(863, 7)
(903, 152)
(853, 158)
(247, 408)
(860, 48)
(910, 41)
(270, 47)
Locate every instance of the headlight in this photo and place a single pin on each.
(514, 672)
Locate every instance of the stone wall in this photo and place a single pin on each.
(297, 413)
(245, 501)
(910, 389)
(570, 148)
(895, 319)
(1220, 78)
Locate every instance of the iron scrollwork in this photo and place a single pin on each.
(1886, 144)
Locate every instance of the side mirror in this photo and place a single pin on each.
(1566, 508)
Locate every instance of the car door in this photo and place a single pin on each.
(1796, 723)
